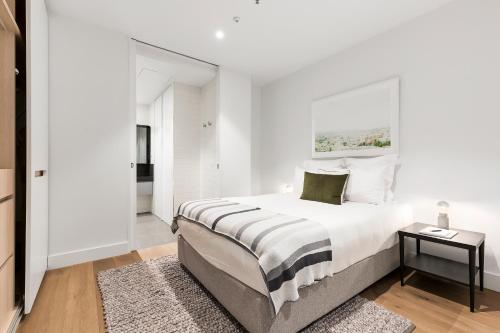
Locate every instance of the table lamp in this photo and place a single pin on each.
(443, 219)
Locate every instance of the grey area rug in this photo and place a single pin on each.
(160, 296)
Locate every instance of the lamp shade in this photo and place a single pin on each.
(443, 207)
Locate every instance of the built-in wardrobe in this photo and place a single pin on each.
(9, 36)
(23, 156)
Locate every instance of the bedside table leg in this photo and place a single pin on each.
(401, 259)
(481, 266)
(472, 276)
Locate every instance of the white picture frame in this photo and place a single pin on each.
(359, 122)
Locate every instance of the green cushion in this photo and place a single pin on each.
(324, 188)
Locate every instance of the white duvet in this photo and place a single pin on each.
(357, 231)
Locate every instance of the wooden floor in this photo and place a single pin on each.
(69, 300)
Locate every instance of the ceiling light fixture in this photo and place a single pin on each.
(219, 34)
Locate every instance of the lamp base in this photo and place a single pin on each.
(443, 221)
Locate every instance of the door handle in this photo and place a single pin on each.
(40, 173)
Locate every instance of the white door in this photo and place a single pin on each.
(37, 185)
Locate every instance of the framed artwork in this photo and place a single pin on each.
(358, 122)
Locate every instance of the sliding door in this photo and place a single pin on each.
(37, 149)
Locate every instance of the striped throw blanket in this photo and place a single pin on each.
(292, 252)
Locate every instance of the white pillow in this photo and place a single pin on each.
(315, 165)
(298, 182)
(365, 185)
(376, 176)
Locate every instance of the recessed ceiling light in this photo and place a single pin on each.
(219, 34)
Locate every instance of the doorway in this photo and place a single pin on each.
(175, 138)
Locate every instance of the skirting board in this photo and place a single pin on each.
(64, 259)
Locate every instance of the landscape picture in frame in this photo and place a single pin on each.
(358, 122)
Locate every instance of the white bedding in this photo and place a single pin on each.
(357, 231)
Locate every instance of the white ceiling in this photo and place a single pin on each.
(272, 39)
(156, 69)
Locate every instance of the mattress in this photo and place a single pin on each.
(357, 231)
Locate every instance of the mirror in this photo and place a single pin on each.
(143, 144)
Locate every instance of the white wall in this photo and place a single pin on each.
(187, 136)
(234, 132)
(162, 151)
(89, 144)
(143, 114)
(255, 146)
(449, 69)
(208, 144)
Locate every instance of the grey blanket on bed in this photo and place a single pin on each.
(292, 252)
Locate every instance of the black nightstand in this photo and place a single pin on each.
(444, 268)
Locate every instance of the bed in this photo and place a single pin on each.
(364, 244)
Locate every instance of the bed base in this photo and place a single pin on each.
(251, 308)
